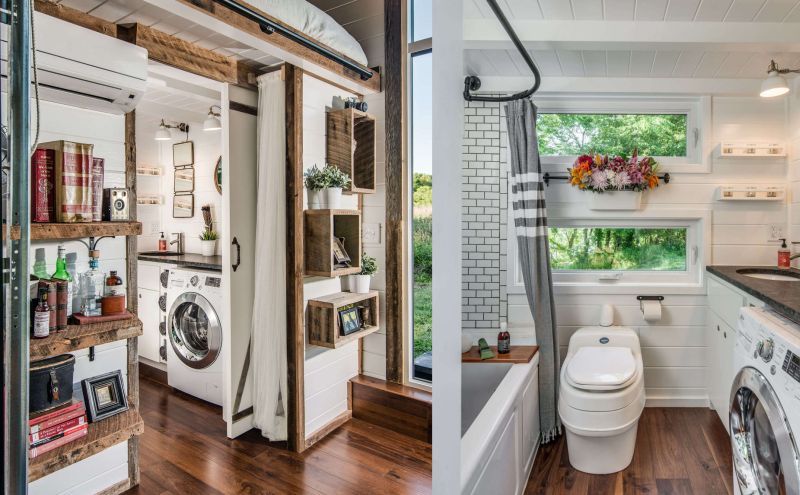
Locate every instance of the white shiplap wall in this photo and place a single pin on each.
(107, 133)
(149, 152)
(673, 348)
(794, 163)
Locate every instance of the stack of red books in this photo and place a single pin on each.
(52, 429)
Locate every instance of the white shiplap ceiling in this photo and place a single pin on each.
(699, 39)
(642, 10)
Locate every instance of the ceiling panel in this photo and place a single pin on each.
(619, 63)
(651, 10)
(682, 10)
(642, 63)
(571, 62)
(641, 10)
(594, 63)
(619, 10)
(587, 9)
(664, 63)
(547, 61)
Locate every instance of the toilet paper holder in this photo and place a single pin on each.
(642, 299)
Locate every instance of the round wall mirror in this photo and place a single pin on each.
(218, 175)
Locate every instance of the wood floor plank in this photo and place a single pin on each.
(678, 451)
(184, 450)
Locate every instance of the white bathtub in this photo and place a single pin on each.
(500, 426)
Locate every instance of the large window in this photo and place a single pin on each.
(421, 189)
(618, 248)
(653, 250)
(670, 129)
(612, 134)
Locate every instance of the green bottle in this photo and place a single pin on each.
(62, 274)
(40, 265)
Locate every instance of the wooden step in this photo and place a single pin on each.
(399, 408)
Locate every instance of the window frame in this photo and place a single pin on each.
(698, 223)
(415, 48)
(698, 125)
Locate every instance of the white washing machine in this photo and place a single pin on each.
(765, 404)
(194, 331)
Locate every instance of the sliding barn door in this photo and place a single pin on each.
(239, 192)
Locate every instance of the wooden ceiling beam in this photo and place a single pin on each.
(161, 47)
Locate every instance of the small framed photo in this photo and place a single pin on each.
(340, 256)
(104, 396)
(349, 320)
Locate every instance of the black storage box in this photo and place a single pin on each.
(50, 383)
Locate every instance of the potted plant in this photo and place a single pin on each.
(360, 283)
(208, 242)
(325, 187)
(616, 182)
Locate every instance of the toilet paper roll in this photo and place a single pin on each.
(651, 310)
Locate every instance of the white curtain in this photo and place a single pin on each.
(269, 306)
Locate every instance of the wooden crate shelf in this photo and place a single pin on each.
(322, 318)
(82, 336)
(321, 226)
(45, 231)
(343, 129)
(100, 436)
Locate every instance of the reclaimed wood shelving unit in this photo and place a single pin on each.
(322, 318)
(128, 425)
(321, 226)
(350, 145)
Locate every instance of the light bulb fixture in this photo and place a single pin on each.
(212, 122)
(163, 133)
(775, 84)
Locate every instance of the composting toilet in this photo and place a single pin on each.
(601, 398)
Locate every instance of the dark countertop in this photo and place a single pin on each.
(188, 260)
(782, 296)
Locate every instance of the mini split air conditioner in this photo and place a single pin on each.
(83, 68)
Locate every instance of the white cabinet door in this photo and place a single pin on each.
(724, 301)
(147, 275)
(720, 365)
(150, 315)
(530, 418)
(713, 356)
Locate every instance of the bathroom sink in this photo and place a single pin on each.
(161, 253)
(770, 274)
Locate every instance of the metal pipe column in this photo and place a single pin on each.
(16, 335)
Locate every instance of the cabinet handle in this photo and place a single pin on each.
(724, 335)
(717, 328)
(235, 242)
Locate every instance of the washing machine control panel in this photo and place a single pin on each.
(791, 365)
(213, 282)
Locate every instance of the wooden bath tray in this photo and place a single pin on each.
(518, 354)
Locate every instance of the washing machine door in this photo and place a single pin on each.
(195, 331)
(765, 458)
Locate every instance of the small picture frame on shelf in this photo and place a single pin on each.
(104, 396)
(349, 320)
(340, 256)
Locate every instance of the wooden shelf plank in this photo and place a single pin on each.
(518, 354)
(82, 336)
(100, 436)
(44, 231)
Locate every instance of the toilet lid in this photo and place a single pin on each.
(601, 366)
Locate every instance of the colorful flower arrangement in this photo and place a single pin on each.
(603, 173)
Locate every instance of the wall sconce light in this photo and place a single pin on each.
(775, 84)
(212, 122)
(163, 133)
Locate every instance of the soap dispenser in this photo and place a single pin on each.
(784, 256)
(162, 243)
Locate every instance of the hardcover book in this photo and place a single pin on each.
(43, 199)
(56, 416)
(61, 434)
(49, 433)
(98, 170)
(81, 431)
(73, 180)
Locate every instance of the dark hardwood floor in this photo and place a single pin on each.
(678, 451)
(184, 450)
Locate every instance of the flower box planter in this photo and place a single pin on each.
(615, 200)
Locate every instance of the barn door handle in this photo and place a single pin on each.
(235, 242)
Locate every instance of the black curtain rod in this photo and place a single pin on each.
(271, 27)
(547, 177)
(473, 83)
